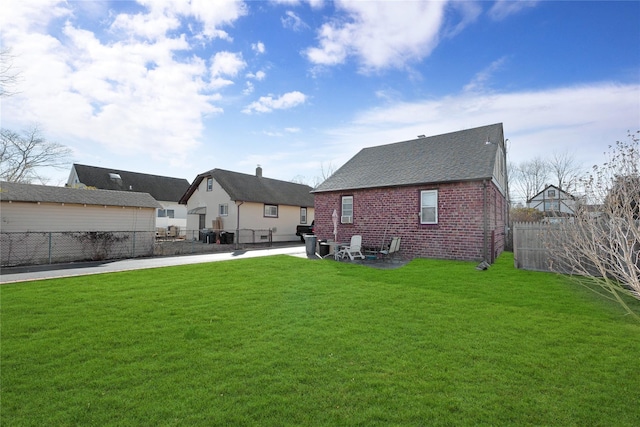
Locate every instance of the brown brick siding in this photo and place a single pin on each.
(458, 234)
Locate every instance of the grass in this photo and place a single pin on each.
(287, 341)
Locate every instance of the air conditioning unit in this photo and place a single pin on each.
(346, 219)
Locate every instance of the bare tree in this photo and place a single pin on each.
(601, 246)
(8, 75)
(23, 155)
(529, 178)
(325, 173)
(565, 171)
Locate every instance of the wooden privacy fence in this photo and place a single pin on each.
(530, 243)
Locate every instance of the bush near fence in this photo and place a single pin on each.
(34, 248)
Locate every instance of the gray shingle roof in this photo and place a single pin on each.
(11, 191)
(162, 188)
(251, 188)
(451, 157)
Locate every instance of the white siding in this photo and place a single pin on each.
(20, 216)
(211, 199)
(179, 219)
(251, 214)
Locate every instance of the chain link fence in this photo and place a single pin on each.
(33, 248)
(36, 248)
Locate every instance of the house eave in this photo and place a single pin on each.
(400, 185)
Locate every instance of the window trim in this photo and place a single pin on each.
(303, 217)
(264, 210)
(166, 213)
(342, 211)
(422, 206)
(210, 184)
(226, 209)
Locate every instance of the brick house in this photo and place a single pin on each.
(444, 195)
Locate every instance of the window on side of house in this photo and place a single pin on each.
(347, 210)
(552, 206)
(551, 193)
(209, 184)
(271, 211)
(223, 209)
(429, 207)
(166, 213)
(303, 215)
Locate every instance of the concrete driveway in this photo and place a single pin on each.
(39, 272)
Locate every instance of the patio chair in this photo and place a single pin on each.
(354, 248)
(393, 247)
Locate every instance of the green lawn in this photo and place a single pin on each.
(287, 341)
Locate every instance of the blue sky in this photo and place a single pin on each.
(178, 88)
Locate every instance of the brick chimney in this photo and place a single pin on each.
(259, 172)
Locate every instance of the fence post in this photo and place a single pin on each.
(133, 255)
(50, 254)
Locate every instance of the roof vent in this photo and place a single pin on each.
(114, 176)
(422, 136)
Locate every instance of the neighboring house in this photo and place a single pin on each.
(251, 206)
(166, 190)
(77, 218)
(553, 202)
(444, 195)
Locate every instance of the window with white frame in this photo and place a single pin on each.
(429, 207)
(223, 209)
(271, 211)
(209, 184)
(552, 205)
(551, 193)
(166, 213)
(303, 215)
(347, 210)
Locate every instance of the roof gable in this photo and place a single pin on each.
(561, 194)
(252, 188)
(160, 187)
(458, 156)
(29, 193)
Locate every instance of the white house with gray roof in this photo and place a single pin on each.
(77, 218)
(166, 190)
(253, 207)
(445, 196)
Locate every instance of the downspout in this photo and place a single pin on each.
(507, 224)
(485, 221)
(238, 204)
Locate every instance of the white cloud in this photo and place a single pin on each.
(248, 89)
(210, 15)
(258, 47)
(315, 4)
(137, 95)
(292, 130)
(379, 34)
(504, 8)
(293, 21)
(151, 26)
(267, 104)
(259, 75)
(479, 82)
(469, 12)
(225, 64)
(582, 120)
